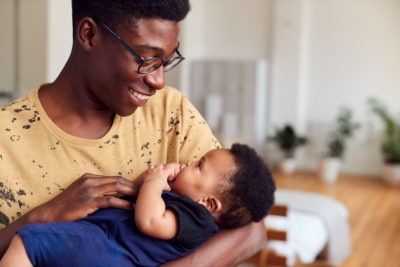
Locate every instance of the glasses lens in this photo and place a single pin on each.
(150, 65)
(172, 63)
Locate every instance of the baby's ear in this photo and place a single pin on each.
(212, 203)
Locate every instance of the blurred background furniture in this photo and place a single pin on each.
(232, 95)
(304, 229)
(5, 97)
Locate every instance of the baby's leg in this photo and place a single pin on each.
(16, 254)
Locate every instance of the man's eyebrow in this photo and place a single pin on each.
(155, 48)
(152, 48)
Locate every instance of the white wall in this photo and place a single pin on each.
(59, 36)
(348, 51)
(225, 29)
(356, 54)
(43, 29)
(323, 55)
(285, 62)
(23, 49)
(7, 51)
(32, 44)
(237, 29)
(191, 45)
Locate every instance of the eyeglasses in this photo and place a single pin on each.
(150, 64)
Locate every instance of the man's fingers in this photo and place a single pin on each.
(113, 202)
(95, 179)
(114, 188)
(109, 185)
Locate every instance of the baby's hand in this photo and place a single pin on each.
(157, 176)
(160, 174)
(173, 169)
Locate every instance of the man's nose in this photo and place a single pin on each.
(156, 79)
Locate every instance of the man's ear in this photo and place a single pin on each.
(86, 30)
(212, 203)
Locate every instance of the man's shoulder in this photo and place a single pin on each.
(16, 107)
(167, 100)
(168, 94)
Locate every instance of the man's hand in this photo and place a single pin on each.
(84, 196)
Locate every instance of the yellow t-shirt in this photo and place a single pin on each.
(38, 160)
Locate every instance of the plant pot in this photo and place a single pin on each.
(329, 169)
(287, 165)
(391, 173)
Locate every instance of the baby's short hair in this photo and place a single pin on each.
(251, 192)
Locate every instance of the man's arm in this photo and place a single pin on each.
(83, 197)
(226, 249)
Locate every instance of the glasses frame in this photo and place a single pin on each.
(168, 64)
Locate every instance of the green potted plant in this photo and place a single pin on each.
(336, 146)
(287, 141)
(391, 141)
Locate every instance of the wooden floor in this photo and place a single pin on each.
(374, 209)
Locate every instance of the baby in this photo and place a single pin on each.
(178, 207)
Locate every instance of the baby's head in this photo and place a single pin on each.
(251, 189)
(235, 185)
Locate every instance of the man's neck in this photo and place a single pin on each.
(66, 108)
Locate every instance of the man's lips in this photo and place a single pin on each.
(139, 95)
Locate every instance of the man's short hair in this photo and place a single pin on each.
(117, 13)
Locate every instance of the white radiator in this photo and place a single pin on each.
(232, 95)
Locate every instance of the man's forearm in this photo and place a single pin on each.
(226, 249)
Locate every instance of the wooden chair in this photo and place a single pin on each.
(265, 257)
(268, 258)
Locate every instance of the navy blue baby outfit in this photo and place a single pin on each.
(109, 238)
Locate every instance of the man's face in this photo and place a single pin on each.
(116, 84)
(201, 178)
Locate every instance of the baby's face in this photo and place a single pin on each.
(201, 178)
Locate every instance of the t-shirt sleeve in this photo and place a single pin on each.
(196, 224)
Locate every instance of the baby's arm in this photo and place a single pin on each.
(16, 254)
(151, 216)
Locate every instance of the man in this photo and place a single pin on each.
(105, 115)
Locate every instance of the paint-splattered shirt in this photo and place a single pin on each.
(38, 160)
